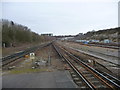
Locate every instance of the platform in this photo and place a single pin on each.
(56, 79)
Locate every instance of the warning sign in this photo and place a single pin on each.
(32, 55)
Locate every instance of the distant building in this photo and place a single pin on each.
(107, 41)
(80, 40)
(66, 38)
(47, 34)
(95, 41)
(83, 41)
(80, 34)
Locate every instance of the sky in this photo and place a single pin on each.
(62, 17)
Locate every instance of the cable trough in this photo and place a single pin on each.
(91, 78)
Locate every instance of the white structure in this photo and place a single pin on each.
(66, 38)
(106, 41)
(95, 40)
(32, 56)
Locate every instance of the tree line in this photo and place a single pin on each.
(13, 33)
(112, 34)
(106, 31)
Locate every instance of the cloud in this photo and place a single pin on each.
(60, 0)
(62, 18)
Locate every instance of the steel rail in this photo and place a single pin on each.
(104, 46)
(104, 73)
(91, 71)
(75, 69)
(118, 86)
(8, 59)
(101, 45)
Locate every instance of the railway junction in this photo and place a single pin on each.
(60, 64)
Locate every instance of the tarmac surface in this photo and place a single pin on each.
(56, 79)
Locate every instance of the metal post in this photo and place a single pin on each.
(49, 60)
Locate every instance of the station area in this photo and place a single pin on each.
(51, 66)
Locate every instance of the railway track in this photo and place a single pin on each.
(116, 80)
(89, 77)
(104, 46)
(8, 59)
(108, 45)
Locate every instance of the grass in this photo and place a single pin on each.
(28, 70)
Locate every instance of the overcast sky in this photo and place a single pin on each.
(63, 18)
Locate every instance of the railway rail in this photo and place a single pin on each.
(91, 78)
(8, 59)
(116, 46)
(104, 46)
(116, 80)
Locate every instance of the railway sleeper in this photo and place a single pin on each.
(76, 79)
(74, 75)
(88, 75)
